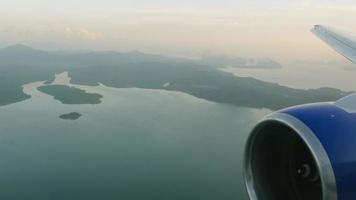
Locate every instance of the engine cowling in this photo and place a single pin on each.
(304, 153)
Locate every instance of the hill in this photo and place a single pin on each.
(21, 64)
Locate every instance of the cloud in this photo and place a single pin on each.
(83, 33)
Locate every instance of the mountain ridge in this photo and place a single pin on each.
(10, 56)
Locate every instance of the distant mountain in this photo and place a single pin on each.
(21, 54)
(24, 55)
(19, 48)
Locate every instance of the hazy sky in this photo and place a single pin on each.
(278, 29)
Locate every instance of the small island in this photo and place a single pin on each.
(70, 116)
(70, 95)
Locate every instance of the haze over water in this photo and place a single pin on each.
(136, 144)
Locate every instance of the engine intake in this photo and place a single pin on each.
(284, 159)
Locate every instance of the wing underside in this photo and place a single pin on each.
(343, 43)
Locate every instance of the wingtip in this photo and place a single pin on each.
(314, 28)
(317, 26)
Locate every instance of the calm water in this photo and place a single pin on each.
(137, 144)
(314, 76)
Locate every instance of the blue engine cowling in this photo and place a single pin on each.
(304, 152)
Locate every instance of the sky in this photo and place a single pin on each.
(277, 29)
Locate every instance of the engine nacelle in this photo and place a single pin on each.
(304, 153)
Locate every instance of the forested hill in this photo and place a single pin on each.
(21, 64)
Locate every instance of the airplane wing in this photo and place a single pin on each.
(343, 43)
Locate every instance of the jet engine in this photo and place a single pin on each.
(304, 153)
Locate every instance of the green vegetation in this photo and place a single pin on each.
(20, 65)
(202, 78)
(70, 116)
(13, 77)
(210, 84)
(70, 95)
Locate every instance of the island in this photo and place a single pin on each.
(70, 116)
(70, 95)
(201, 78)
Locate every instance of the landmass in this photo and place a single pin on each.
(136, 69)
(210, 84)
(13, 77)
(70, 95)
(70, 116)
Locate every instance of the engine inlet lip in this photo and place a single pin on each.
(328, 182)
